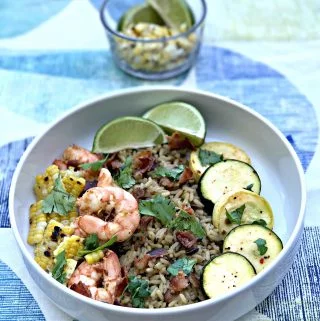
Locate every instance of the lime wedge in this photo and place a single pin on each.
(127, 132)
(180, 117)
(173, 12)
(140, 13)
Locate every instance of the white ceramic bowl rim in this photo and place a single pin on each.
(171, 310)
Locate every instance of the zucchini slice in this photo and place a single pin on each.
(257, 243)
(228, 151)
(241, 207)
(226, 176)
(225, 273)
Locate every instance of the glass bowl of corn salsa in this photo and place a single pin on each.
(154, 39)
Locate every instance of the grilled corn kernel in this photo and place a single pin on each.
(73, 185)
(70, 267)
(71, 244)
(63, 219)
(38, 223)
(94, 257)
(44, 183)
(44, 257)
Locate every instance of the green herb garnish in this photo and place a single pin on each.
(260, 222)
(139, 290)
(235, 216)
(261, 244)
(185, 221)
(208, 157)
(173, 173)
(58, 269)
(124, 179)
(184, 264)
(58, 200)
(91, 242)
(95, 166)
(99, 248)
(249, 187)
(159, 207)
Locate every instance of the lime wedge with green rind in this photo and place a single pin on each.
(173, 12)
(140, 13)
(127, 132)
(179, 117)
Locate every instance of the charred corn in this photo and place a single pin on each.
(38, 223)
(94, 257)
(71, 244)
(45, 182)
(73, 185)
(64, 219)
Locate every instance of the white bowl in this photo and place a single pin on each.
(272, 156)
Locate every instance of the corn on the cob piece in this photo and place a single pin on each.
(71, 244)
(64, 219)
(94, 257)
(70, 267)
(38, 223)
(73, 184)
(44, 183)
(53, 234)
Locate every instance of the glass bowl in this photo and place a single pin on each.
(152, 58)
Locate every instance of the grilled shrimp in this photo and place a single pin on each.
(77, 155)
(105, 178)
(107, 211)
(102, 281)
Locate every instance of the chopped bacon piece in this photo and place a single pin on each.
(61, 164)
(178, 141)
(143, 161)
(81, 289)
(186, 239)
(144, 222)
(178, 282)
(186, 175)
(138, 193)
(168, 296)
(142, 263)
(166, 182)
(194, 281)
(113, 162)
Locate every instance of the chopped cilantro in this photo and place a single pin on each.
(91, 242)
(139, 290)
(58, 269)
(261, 244)
(124, 178)
(173, 173)
(249, 187)
(99, 248)
(58, 200)
(159, 207)
(260, 222)
(95, 166)
(235, 216)
(185, 221)
(208, 157)
(184, 264)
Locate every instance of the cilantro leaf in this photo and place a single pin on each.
(185, 221)
(249, 187)
(159, 207)
(184, 264)
(260, 222)
(139, 290)
(58, 200)
(124, 179)
(235, 216)
(91, 242)
(99, 248)
(173, 173)
(261, 244)
(95, 166)
(208, 157)
(58, 269)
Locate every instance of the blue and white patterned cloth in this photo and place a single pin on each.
(54, 55)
